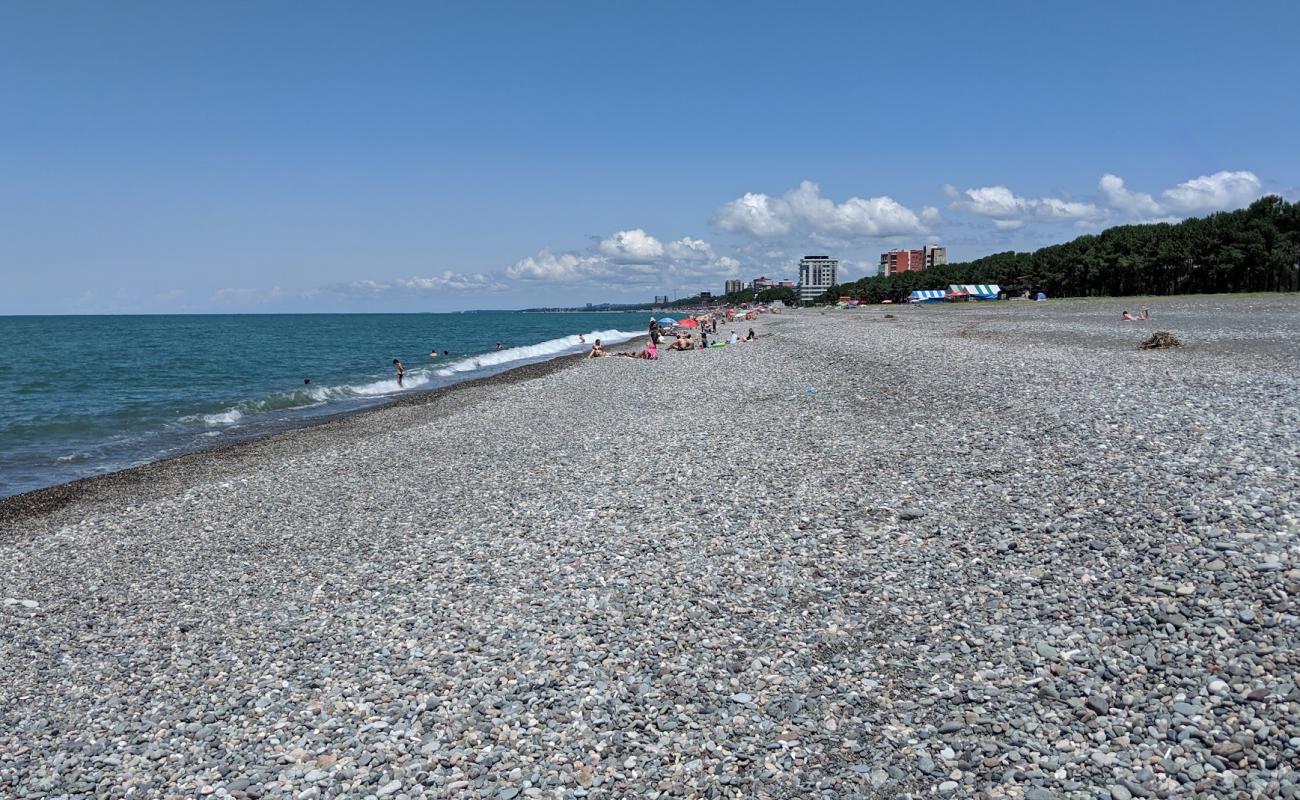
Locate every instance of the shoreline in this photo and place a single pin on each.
(991, 553)
(135, 484)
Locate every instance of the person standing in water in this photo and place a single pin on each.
(401, 370)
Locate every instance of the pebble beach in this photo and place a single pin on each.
(970, 551)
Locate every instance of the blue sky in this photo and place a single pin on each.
(238, 156)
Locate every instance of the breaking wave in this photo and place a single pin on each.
(308, 397)
(534, 352)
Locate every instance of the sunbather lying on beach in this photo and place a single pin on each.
(681, 343)
(751, 336)
(1127, 317)
(650, 353)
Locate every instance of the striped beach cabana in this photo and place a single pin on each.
(926, 296)
(977, 291)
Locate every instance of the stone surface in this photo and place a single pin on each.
(692, 579)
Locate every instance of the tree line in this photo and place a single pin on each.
(1255, 249)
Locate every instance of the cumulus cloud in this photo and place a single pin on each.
(1009, 211)
(688, 249)
(457, 281)
(804, 208)
(1221, 191)
(627, 257)
(631, 246)
(561, 268)
(1118, 197)
(756, 214)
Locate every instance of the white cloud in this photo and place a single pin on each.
(1116, 203)
(1118, 197)
(804, 208)
(688, 249)
(476, 281)
(631, 246)
(755, 214)
(561, 268)
(1222, 191)
(1010, 211)
(631, 257)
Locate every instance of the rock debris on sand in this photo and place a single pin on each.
(1033, 563)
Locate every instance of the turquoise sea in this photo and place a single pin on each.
(82, 395)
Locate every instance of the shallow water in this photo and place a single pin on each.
(86, 395)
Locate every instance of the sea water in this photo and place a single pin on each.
(83, 395)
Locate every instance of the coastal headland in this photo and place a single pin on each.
(977, 551)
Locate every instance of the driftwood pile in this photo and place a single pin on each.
(1160, 340)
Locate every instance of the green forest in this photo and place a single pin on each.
(1256, 249)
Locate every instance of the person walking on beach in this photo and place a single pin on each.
(401, 370)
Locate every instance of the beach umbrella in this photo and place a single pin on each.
(689, 323)
(667, 321)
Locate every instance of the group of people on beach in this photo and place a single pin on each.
(682, 340)
(1145, 315)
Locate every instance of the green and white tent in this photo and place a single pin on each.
(981, 291)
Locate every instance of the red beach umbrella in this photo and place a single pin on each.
(688, 323)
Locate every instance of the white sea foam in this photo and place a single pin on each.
(534, 352)
(416, 378)
(228, 417)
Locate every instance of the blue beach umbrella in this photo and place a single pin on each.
(667, 321)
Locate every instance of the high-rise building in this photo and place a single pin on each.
(661, 299)
(816, 275)
(733, 286)
(896, 261)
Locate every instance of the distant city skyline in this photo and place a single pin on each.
(158, 158)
